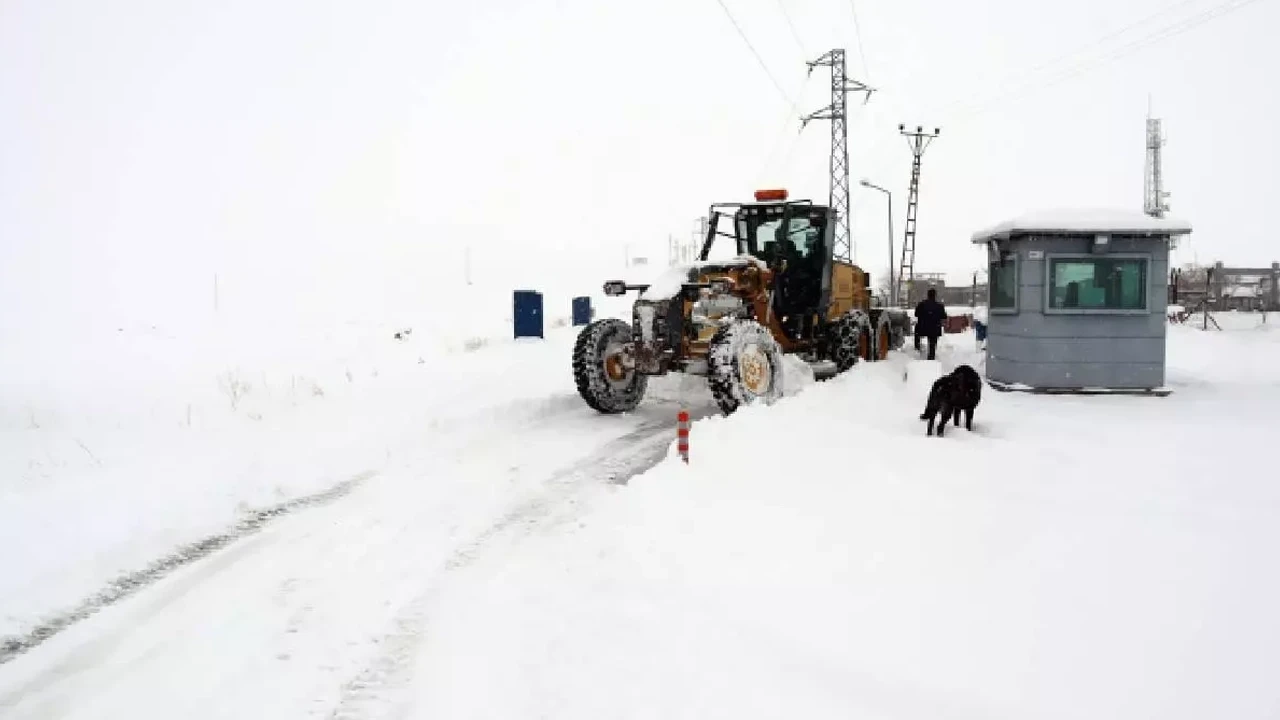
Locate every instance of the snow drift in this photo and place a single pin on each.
(1071, 557)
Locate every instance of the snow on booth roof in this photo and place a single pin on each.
(1085, 221)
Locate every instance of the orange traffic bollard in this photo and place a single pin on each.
(682, 435)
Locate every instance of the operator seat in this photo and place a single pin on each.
(769, 253)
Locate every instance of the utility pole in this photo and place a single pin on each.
(918, 141)
(893, 290)
(838, 198)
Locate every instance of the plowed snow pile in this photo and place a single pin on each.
(1072, 557)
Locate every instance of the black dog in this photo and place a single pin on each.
(960, 390)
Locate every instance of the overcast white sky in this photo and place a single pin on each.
(334, 157)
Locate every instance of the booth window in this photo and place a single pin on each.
(1002, 277)
(1098, 284)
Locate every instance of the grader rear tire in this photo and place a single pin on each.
(883, 337)
(602, 381)
(845, 339)
(898, 325)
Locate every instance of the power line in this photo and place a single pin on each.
(1018, 80)
(1156, 35)
(794, 35)
(791, 115)
(759, 59)
(1071, 71)
(1102, 40)
(1168, 31)
(857, 34)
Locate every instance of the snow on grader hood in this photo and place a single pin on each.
(678, 277)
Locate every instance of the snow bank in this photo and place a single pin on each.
(824, 558)
(919, 376)
(797, 376)
(1243, 355)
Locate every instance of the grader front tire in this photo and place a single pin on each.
(602, 380)
(744, 366)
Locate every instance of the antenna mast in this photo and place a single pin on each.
(1155, 199)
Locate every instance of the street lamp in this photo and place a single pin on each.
(893, 288)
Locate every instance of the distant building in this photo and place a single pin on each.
(960, 294)
(1227, 288)
(963, 295)
(1243, 297)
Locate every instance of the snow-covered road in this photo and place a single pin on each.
(315, 612)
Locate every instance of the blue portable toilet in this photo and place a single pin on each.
(581, 310)
(528, 313)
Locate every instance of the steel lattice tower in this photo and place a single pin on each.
(1154, 196)
(918, 141)
(838, 197)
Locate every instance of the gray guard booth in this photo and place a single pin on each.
(1077, 301)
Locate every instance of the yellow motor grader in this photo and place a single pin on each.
(780, 292)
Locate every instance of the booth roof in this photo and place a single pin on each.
(1085, 221)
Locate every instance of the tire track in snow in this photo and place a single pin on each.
(131, 582)
(373, 693)
(125, 585)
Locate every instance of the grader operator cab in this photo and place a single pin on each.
(732, 320)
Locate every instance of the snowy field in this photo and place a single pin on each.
(1102, 557)
(119, 444)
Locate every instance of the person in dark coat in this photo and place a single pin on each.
(930, 314)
